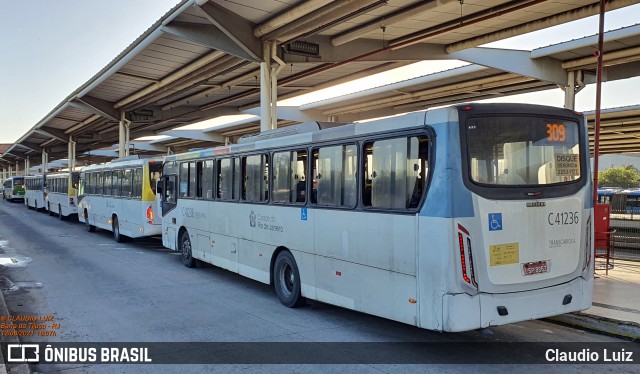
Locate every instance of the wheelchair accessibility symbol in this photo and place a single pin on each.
(495, 221)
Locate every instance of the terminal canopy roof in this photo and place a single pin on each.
(202, 60)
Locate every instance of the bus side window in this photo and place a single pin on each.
(205, 184)
(289, 177)
(137, 183)
(255, 186)
(229, 174)
(395, 172)
(335, 173)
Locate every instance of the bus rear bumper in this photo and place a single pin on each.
(484, 310)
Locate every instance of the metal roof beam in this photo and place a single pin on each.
(220, 67)
(30, 146)
(387, 20)
(301, 9)
(185, 71)
(236, 29)
(53, 133)
(195, 135)
(14, 155)
(587, 41)
(208, 36)
(102, 153)
(97, 106)
(145, 146)
(364, 48)
(613, 73)
(544, 68)
(539, 24)
(228, 83)
(81, 124)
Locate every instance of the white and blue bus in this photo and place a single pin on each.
(120, 196)
(451, 219)
(62, 194)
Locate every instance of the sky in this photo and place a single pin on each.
(51, 48)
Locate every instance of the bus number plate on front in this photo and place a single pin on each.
(538, 267)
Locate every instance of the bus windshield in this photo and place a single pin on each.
(18, 181)
(528, 151)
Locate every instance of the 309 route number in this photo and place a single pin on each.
(563, 218)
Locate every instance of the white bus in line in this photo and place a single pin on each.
(13, 188)
(62, 194)
(452, 219)
(120, 196)
(35, 191)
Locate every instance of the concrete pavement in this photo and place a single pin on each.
(616, 302)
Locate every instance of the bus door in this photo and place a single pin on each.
(168, 203)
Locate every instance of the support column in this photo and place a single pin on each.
(45, 161)
(17, 168)
(10, 171)
(265, 89)
(274, 83)
(127, 134)
(27, 166)
(71, 154)
(570, 91)
(123, 138)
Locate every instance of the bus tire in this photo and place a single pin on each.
(49, 209)
(90, 227)
(117, 236)
(60, 216)
(186, 250)
(286, 280)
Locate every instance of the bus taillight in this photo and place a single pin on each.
(587, 245)
(463, 260)
(468, 275)
(149, 214)
(71, 202)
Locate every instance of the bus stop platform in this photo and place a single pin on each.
(616, 303)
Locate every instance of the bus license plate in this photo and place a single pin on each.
(537, 267)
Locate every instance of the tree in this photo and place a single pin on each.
(626, 176)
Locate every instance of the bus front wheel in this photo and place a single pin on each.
(286, 279)
(90, 227)
(117, 236)
(185, 248)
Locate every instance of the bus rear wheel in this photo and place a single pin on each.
(90, 227)
(185, 248)
(286, 280)
(60, 216)
(49, 209)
